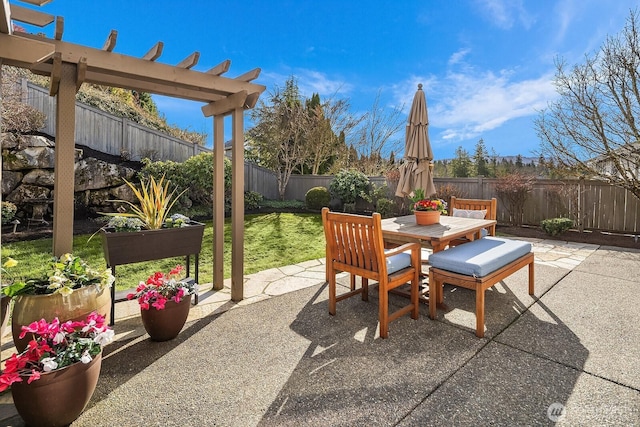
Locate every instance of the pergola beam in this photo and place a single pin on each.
(36, 2)
(56, 72)
(59, 28)
(249, 75)
(5, 18)
(190, 61)
(154, 53)
(226, 105)
(81, 72)
(112, 64)
(221, 68)
(21, 52)
(30, 16)
(111, 41)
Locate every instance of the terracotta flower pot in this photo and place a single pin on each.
(427, 217)
(166, 324)
(58, 397)
(31, 308)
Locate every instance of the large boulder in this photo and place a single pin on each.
(29, 158)
(42, 177)
(28, 193)
(26, 141)
(92, 174)
(10, 180)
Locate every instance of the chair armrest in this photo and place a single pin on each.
(403, 248)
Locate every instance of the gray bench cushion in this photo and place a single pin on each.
(480, 257)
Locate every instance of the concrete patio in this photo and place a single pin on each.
(568, 355)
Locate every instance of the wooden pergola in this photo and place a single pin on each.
(69, 65)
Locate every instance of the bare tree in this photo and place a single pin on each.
(377, 132)
(592, 129)
(278, 141)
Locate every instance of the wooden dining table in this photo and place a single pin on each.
(403, 229)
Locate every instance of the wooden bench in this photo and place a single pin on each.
(478, 265)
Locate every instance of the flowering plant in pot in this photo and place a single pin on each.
(60, 364)
(69, 290)
(427, 205)
(427, 211)
(164, 303)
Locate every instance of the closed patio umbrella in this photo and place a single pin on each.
(415, 170)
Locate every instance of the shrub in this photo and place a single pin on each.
(386, 207)
(252, 200)
(317, 198)
(556, 226)
(514, 189)
(446, 191)
(348, 185)
(8, 212)
(195, 174)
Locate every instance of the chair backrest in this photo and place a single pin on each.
(490, 205)
(354, 241)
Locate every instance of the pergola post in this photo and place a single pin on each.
(218, 202)
(64, 175)
(237, 206)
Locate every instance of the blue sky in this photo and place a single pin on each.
(486, 65)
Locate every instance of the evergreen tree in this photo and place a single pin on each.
(461, 165)
(480, 158)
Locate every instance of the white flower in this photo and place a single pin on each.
(105, 337)
(86, 357)
(49, 364)
(65, 290)
(66, 258)
(59, 337)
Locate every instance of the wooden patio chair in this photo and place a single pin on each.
(474, 208)
(355, 245)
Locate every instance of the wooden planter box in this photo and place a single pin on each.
(146, 245)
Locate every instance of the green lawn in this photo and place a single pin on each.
(271, 240)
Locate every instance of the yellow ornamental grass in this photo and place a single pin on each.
(155, 202)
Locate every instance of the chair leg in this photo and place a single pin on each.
(531, 277)
(433, 295)
(415, 290)
(352, 281)
(365, 289)
(479, 312)
(332, 292)
(383, 310)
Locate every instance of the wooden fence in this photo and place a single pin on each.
(110, 134)
(593, 204)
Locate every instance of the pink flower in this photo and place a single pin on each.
(160, 288)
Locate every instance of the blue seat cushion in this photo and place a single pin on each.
(398, 262)
(480, 257)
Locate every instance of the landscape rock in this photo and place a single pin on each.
(92, 174)
(29, 158)
(42, 177)
(10, 180)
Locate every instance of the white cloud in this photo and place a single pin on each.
(505, 14)
(458, 56)
(466, 105)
